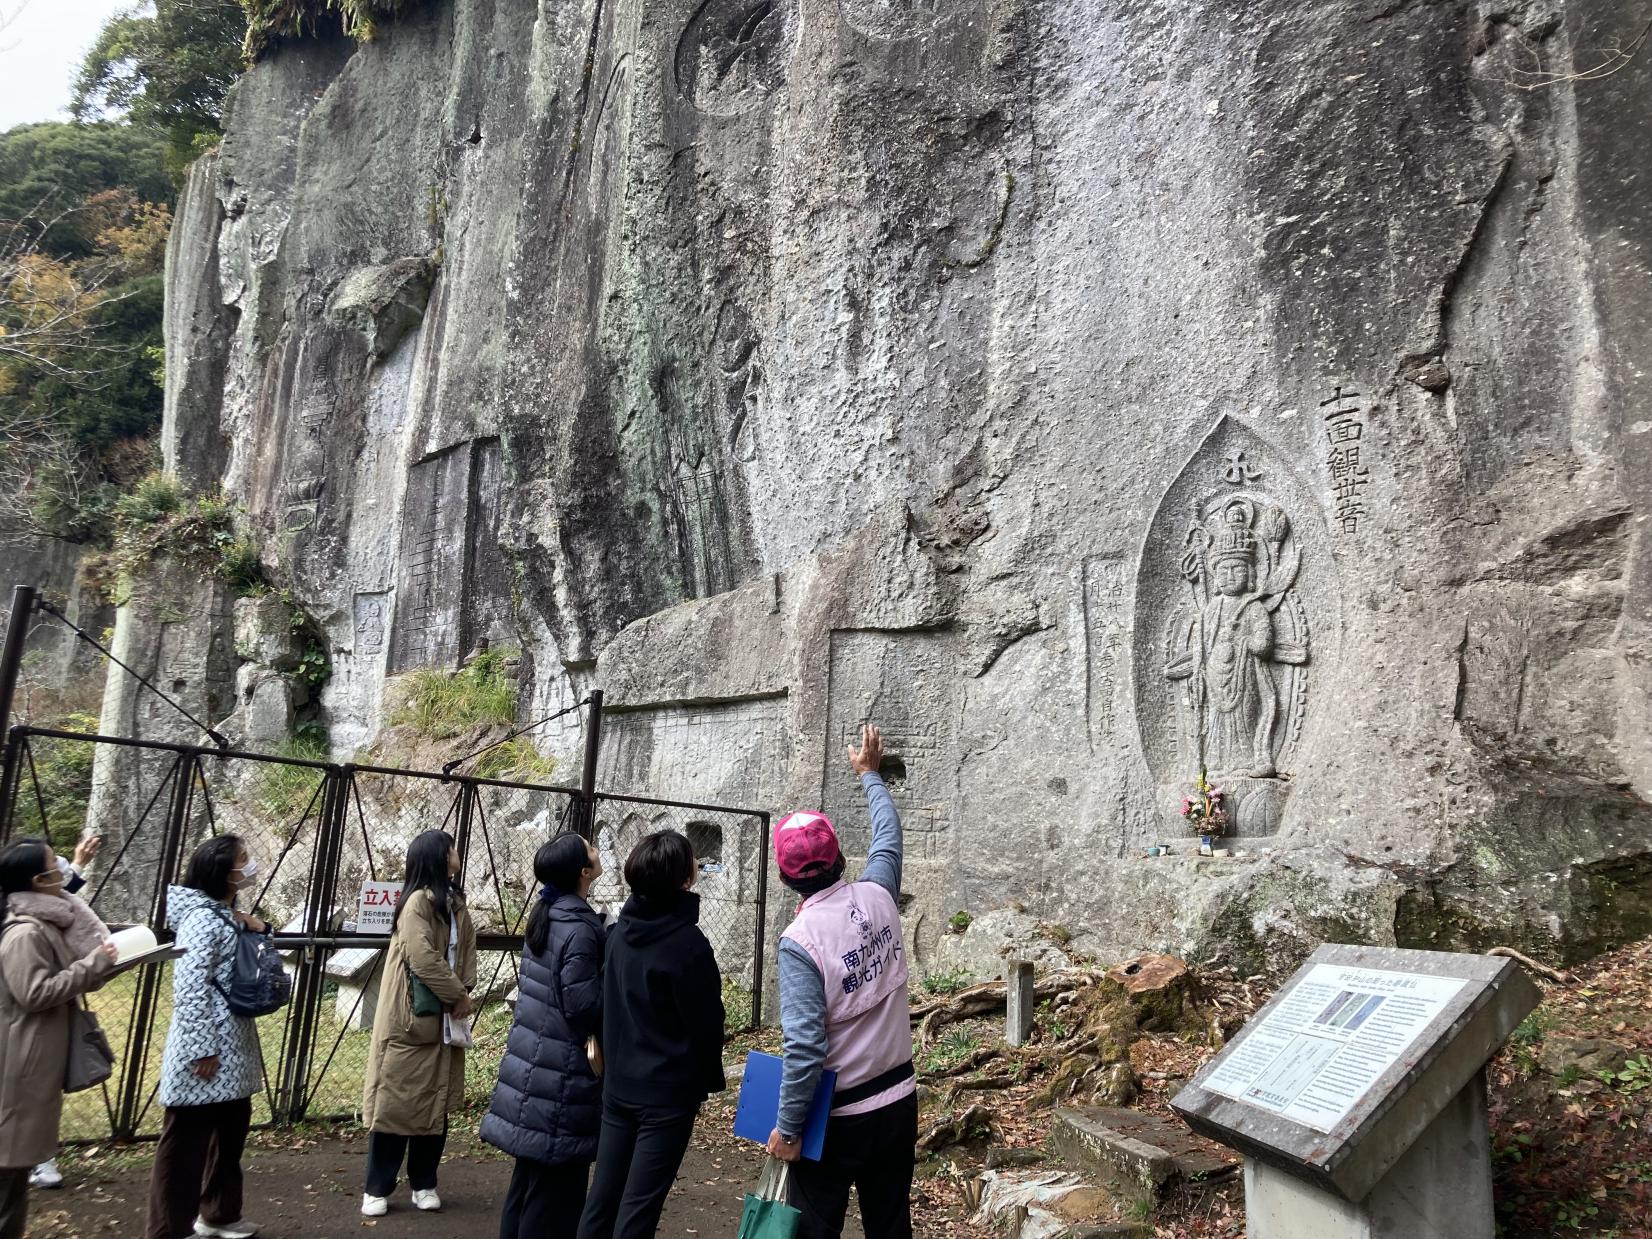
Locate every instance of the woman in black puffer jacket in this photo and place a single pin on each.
(547, 1106)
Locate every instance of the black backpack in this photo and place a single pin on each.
(258, 983)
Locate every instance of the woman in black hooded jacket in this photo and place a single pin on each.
(547, 1106)
(662, 1040)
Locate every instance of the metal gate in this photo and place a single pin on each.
(322, 830)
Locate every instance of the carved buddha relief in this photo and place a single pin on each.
(1237, 644)
(1235, 608)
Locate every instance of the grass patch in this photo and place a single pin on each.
(948, 1052)
(737, 1007)
(157, 519)
(950, 982)
(1052, 1025)
(285, 793)
(438, 705)
(516, 760)
(1525, 1039)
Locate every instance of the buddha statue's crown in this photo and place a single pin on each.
(1234, 539)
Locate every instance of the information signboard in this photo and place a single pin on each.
(1337, 1076)
(1321, 1050)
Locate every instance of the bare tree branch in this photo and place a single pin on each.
(7, 17)
(53, 334)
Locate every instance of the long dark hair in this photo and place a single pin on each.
(427, 870)
(211, 864)
(20, 864)
(558, 865)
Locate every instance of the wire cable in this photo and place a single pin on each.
(87, 637)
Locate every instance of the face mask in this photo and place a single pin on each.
(248, 872)
(49, 884)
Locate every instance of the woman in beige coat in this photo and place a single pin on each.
(416, 1067)
(53, 949)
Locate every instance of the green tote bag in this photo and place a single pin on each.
(766, 1214)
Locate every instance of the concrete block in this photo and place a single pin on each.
(357, 1002)
(1136, 1156)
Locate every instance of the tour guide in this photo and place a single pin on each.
(843, 1006)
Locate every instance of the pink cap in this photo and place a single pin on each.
(805, 845)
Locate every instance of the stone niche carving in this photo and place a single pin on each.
(730, 753)
(734, 53)
(454, 589)
(372, 613)
(906, 682)
(1236, 612)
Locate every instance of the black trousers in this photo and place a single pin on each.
(638, 1155)
(14, 1201)
(875, 1154)
(384, 1161)
(544, 1202)
(198, 1167)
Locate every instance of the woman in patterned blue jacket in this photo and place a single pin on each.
(211, 1067)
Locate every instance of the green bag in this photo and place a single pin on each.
(424, 998)
(766, 1214)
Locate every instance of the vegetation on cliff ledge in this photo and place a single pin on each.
(269, 21)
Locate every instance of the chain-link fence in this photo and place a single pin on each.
(332, 840)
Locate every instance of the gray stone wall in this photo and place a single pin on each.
(1090, 393)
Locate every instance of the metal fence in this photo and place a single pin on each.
(320, 830)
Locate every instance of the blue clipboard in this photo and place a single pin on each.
(760, 1104)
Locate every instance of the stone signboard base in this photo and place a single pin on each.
(1439, 1189)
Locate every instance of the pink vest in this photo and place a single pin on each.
(853, 934)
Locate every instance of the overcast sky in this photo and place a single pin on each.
(40, 54)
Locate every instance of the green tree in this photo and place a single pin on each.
(79, 392)
(48, 170)
(167, 65)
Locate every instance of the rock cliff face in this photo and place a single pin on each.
(1089, 393)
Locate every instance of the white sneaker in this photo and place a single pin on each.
(45, 1175)
(374, 1206)
(225, 1230)
(427, 1200)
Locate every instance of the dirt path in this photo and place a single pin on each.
(307, 1185)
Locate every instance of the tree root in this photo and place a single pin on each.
(1531, 965)
(986, 998)
(966, 1124)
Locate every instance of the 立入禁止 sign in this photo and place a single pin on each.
(378, 907)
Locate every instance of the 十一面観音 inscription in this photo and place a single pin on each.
(1320, 1051)
(1346, 457)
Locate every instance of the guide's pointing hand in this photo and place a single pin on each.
(869, 756)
